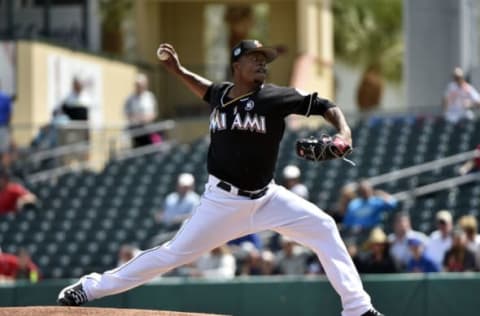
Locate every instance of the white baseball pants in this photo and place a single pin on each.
(223, 216)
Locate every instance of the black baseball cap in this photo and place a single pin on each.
(250, 46)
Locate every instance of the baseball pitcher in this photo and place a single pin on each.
(247, 122)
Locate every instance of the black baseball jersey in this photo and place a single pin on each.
(246, 132)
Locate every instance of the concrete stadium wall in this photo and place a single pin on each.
(395, 295)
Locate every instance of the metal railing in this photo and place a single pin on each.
(59, 151)
(105, 143)
(425, 167)
(84, 165)
(120, 149)
(437, 186)
(144, 150)
(53, 173)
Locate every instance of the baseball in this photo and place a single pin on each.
(162, 54)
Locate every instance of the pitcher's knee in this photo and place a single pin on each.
(329, 223)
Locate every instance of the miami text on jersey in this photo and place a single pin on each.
(252, 122)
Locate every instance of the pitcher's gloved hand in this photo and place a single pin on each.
(323, 148)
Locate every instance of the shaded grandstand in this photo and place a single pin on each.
(86, 216)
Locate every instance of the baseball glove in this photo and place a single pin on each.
(323, 148)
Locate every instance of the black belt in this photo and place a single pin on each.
(253, 195)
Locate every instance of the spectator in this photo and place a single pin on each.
(459, 98)
(74, 110)
(441, 239)
(291, 175)
(47, 136)
(256, 262)
(347, 194)
(250, 260)
(354, 252)
(253, 238)
(377, 259)
(365, 212)
(5, 116)
(18, 267)
(418, 262)
(400, 249)
(179, 204)
(314, 266)
(141, 110)
(458, 258)
(268, 263)
(292, 258)
(472, 165)
(27, 270)
(218, 263)
(237, 246)
(8, 267)
(10, 156)
(126, 253)
(13, 196)
(76, 105)
(468, 223)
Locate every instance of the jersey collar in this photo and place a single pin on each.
(225, 92)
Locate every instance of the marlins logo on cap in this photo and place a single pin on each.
(250, 46)
(237, 51)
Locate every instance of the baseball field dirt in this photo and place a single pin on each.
(87, 311)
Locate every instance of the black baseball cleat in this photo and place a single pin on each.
(372, 312)
(72, 295)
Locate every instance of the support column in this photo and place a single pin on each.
(315, 46)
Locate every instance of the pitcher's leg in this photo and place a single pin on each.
(308, 225)
(140, 269)
(210, 226)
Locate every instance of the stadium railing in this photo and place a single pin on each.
(425, 167)
(103, 144)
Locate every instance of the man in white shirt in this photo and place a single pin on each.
(292, 258)
(398, 240)
(179, 205)
(141, 110)
(74, 108)
(459, 99)
(77, 104)
(291, 175)
(440, 239)
(218, 263)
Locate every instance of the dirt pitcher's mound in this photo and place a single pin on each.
(86, 311)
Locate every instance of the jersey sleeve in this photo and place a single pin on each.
(298, 102)
(213, 94)
(208, 95)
